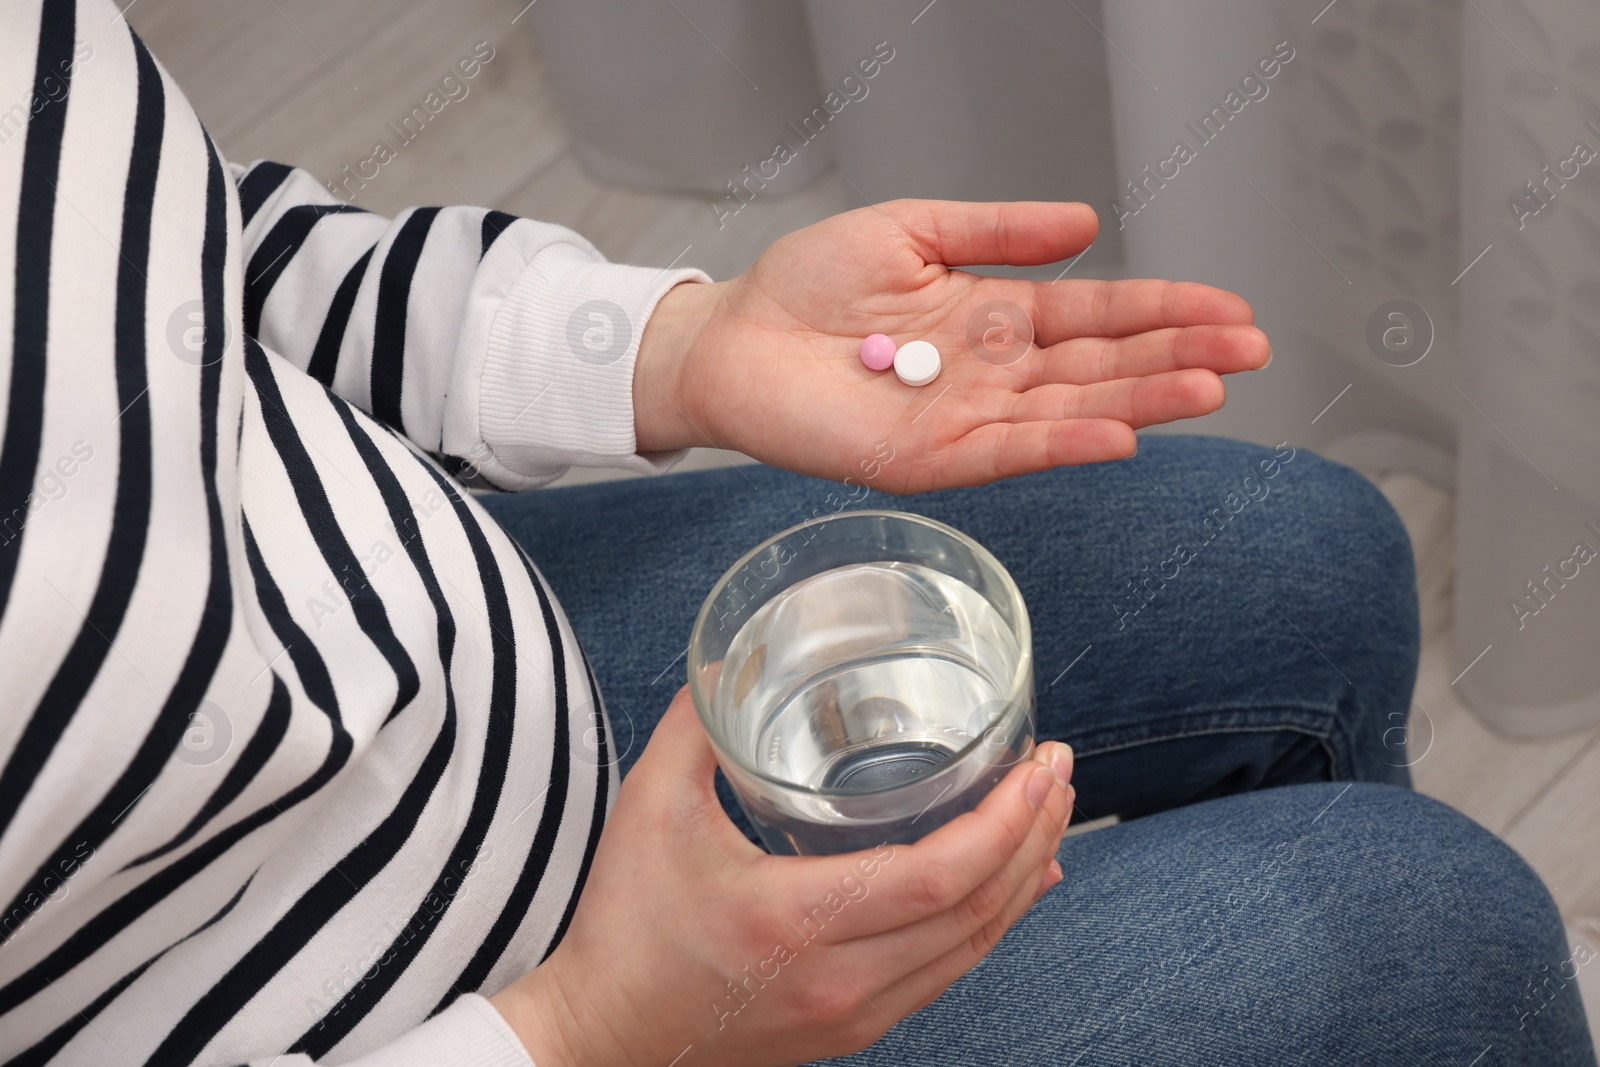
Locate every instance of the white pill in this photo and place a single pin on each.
(917, 363)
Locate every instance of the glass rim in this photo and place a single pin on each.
(1023, 629)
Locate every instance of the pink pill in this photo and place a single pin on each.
(877, 352)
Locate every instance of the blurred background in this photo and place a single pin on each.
(1406, 190)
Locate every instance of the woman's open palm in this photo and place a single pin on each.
(775, 370)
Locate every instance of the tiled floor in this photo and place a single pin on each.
(315, 83)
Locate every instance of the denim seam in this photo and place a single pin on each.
(1341, 752)
(1343, 741)
(1089, 746)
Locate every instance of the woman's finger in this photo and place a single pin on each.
(1088, 360)
(1024, 233)
(1135, 402)
(1085, 308)
(934, 874)
(889, 957)
(923, 986)
(1004, 449)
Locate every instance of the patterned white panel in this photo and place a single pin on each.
(1530, 429)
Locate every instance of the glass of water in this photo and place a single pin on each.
(864, 678)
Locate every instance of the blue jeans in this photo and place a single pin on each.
(1227, 636)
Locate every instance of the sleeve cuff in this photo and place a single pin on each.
(557, 383)
(469, 1033)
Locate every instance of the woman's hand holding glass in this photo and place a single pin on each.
(687, 934)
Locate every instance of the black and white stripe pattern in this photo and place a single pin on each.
(292, 736)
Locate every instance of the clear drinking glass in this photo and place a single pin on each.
(864, 678)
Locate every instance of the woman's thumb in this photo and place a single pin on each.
(679, 750)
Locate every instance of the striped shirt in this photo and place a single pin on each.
(298, 753)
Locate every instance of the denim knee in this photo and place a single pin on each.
(1336, 923)
(1339, 570)
(1438, 929)
(1349, 517)
(1266, 588)
(1377, 602)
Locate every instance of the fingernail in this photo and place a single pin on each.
(1268, 363)
(1055, 872)
(1061, 764)
(1038, 787)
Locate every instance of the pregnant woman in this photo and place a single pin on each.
(309, 755)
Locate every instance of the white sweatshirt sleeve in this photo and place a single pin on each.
(503, 346)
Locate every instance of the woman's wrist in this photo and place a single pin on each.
(538, 1013)
(663, 417)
